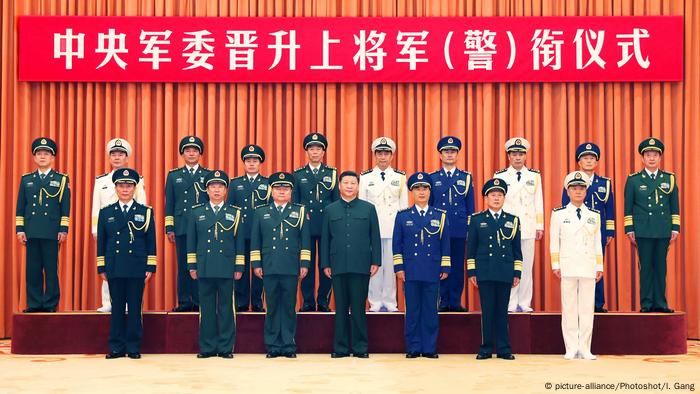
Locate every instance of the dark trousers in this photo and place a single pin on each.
(652, 271)
(187, 293)
(281, 317)
(350, 292)
(308, 284)
(452, 287)
(249, 288)
(125, 336)
(217, 325)
(600, 285)
(494, 317)
(42, 265)
(421, 329)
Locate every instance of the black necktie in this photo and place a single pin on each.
(422, 213)
(42, 176)
(216, 209)
(192, 171)
(496, 215)
(382, 174)
(519, 174)
(578, 213)
(125, 209)
(449, 174)
(280, 208)
(315, 171)
(652, 176)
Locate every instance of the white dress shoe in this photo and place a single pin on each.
(104, 309)
(570, 355)
(589, 356)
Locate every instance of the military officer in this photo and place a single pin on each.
(126, 257)
(421, 246)
(576, 252)
(184, 187)
(494, 266)
(524, 200)
(279, 252)
(453, 191)
(214, 258)
(385, 188)
(103, 193)
(350, 254)
(249, 191)
(315, 186)
(600, 197)
(652, 222)
(42, 219)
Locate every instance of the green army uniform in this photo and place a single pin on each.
(215, 252)
(279, 244)
(249, 195)
(43, 211)
(350, 244)
(184, 187)
(315, 188)
(652, 212)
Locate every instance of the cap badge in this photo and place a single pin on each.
(450, 140)
(251, 148)
(496, 182)
(191, 139)
(518, 142)
(118, 142)
(281, 176)
(589, 146)
(217, 173)
(314, 137)
(43, 141)
(126, 173)
(420, 176)
(578, 175)
(652, 142)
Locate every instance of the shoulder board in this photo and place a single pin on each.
(299, 169)
(175, 169)
(594, 210)
(602, 177)
(266, 206)
(501, 171)
(263, 178)
(533, 170)
(400, 172)
(634, 174)
(28, 174)
(440, 210)
(405, 210)
(559, 208)
(234, 206)
(238, 177)
(296, 204)
(366, 171)
(331, 168)
(147, 206)
(464, 171)
(435, 172)
(204, 169)
(668, 172)
(198, 205)
(62, 174)
(102, 176)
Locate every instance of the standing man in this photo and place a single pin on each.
(350, 254)
(214, 258)
(524, 200)
(453, 192)
(42, 219)
(385, 188)
(315, 186)
(652, 222)
(103, 194)
(249, 191)
(184, 187)
(494, 265)
(577, 259)
(421, 247)
(279, 252)
(126, 257)
(599, 197)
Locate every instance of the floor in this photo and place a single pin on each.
(310, 373)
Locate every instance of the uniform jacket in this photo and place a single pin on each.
(493, 247)
(315, 192)
(182, 191)
(279, 241)
(524, 199)
(215, 249)
(456, 196)
(43, 206)
(104, 193)
(600, 197)
(575, 244)
(651, 206)
(388, 196)
(248, 196)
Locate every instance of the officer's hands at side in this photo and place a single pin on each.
(171, 237)
(373, 269)
(193, 274)
(258, 272)
(400, 275)
(632, 238)
(607, 242)
(328, 272)
(148, 276)
(674, 235)
(62, 237)
(302, 272)
(103, 276)
(516, 282)
(539, 234)
(557, 273)
(444, 275)
(22, 237)
(472, 279)
(598, 275)
(237, 275)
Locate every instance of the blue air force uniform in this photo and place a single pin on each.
(453, 192)
(421, 248)
(126, 250)
(494, 257)
(599, 197)
(249, 193)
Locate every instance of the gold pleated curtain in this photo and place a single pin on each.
(554, 117)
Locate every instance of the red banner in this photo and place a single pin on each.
(488, 49)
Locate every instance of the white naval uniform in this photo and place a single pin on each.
(104, 194)
(524, 200)
(388, 196)
(576, 249)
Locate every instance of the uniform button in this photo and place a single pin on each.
(208, 231)
(221, 251)
(320, 200)
(320, 210)
(117, 242)
(311, 191)
(490, 245)
(185, 193)
(117, 232)
(490, 237)
(649, 213)
(274, 238)
(222, 241)
(428, 246)
(415, 244)
(130, 242)
(649, 197)
(286, 248)
(415, 254)
(428, 254)
(662, 205)
(208, 250)
(649, 205)
(347, 235)
(274, 247)
(490, 254)
(286, 239)
(117, 251)
(415, 235)
(46, 214)
(129, 251)
(347, 246)
(245, 199)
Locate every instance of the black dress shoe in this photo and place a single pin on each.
(600, 310)
(194, 308)
(242, 308)
(664, 310)
(322, 308)
(430, 355)
(226, 355)
(112, 355)
(50, 310)
(32, 310)
(339, 355)
(182, 308)
(307, 308)
(483, 356)
(361, 355)
(443, 309)
(506, 356)
(458, 309)
(205, 355)
(258, 309)
(412, 355)
(646, 310)
(135, 356)
(272, 355)
(290, 355)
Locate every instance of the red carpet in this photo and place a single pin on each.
(535, 333)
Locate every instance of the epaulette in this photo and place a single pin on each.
(232, 206)
(667, 172)
(602, 177)
(299, 169)
(400, 172)
(238, 177)
(634, 173)
(501, 171)
(440, 210)
(198, 205)
(175, 169)
(365, 172)
(559, 208)
(297, 204)
(435, 172)
(331, 168)
(404, 210)
(102, 176)
(594, 210)
(27, 174)
(147, 206)
(533, 170)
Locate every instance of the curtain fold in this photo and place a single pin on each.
(555, 118)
